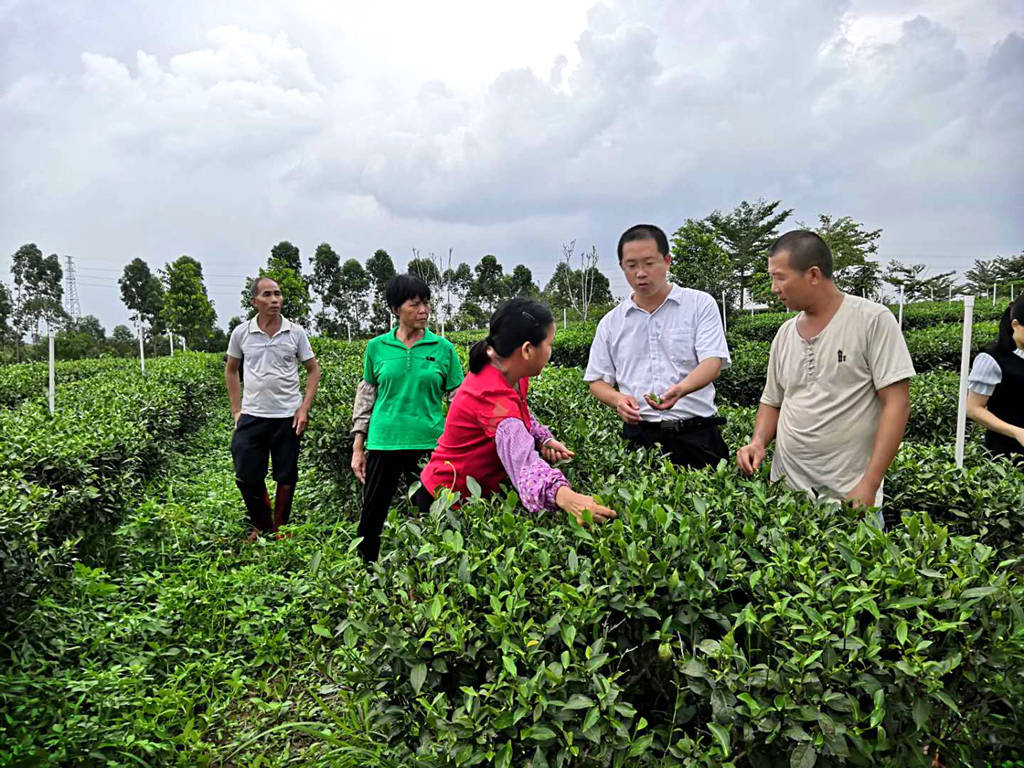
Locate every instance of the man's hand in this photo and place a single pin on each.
(236, 416)
(299, 421)
(553, 452)
(671, 396)
(863, 494)
(628, 409)
(1020, 436)
(575, 504)
(359, 463)
(749, 458)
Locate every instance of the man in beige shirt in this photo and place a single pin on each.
(837, 395)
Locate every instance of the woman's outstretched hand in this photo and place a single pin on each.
(576, 503)
(553, 452)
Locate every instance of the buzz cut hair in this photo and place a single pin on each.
(254, 288)
(806, 249)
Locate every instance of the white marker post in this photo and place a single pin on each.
(993, 293)
(142, 348)
(725, 323)
(49, 332)
(965, 359)
(1011, 293)
(349, 326)
(170, 341)
(183, 347)
(901, 307)
(565, 317)
(951, 293)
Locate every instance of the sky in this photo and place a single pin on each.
(143, 129)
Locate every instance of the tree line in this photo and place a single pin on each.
(723, 253)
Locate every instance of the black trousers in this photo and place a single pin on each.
(384, 472)
(697, 444)
(259, 440)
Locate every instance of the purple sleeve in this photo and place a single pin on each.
(539, 431)
(533, 478)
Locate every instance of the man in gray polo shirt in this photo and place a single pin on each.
(837, 396)
(272, 415)
(655, 356)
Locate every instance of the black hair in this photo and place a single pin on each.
(400, 288)
(806, 249)
(514, 323)
(644, 232)
(1004, 341)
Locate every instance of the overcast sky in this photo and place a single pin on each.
(144, 129)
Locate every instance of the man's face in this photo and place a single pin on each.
(645, 268)
(793, 288)
(268, 297)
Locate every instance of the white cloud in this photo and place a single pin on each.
(498, 132)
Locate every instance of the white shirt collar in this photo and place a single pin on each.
(1019, 352)
(675, 294)
(254, 325)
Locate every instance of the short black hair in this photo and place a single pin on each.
(806, 249)
(254, 287)
(400, 288)
(644, 232)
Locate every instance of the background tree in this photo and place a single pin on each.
(567, 285)
(579, 285)
(488, 287)
(38, 290)
(746, 234)
(123, 342)
(1000, 271)
(380, 269)
(284, 255)
(6, 307)
(187, 309)
(233, 323)
(217, 342)
(326, 285)
(81, 337)
(853, 247)
(698, 261)
(916, 286)
(426, 269)
(520, 283)
(351, 303)
(143, 294)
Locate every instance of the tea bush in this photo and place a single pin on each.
(21, 381)
(717, 619)
(66, 474)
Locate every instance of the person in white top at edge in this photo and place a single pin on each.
(837, 395)
(272, 415)
(662, 347)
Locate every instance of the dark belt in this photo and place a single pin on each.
(680, 426)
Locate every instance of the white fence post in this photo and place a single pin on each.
(142, 348)
(901, 307)
(565, 317)
(725, 323)
(965, 360)
(349, 326)
(993, 293)
(49, 332)
(170, 340)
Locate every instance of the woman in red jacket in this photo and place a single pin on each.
(490, 433)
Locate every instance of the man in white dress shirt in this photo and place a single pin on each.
(655, 356)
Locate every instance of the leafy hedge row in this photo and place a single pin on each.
(69, 474)
(21, 381)
(718, 619)
(923, 314)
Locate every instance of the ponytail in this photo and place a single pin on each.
(478, 356)
(514, 323)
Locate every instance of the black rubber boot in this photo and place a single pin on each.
(257, 502)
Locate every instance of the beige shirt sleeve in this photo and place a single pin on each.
(366, 396)
(774, 391)
(887, 353)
